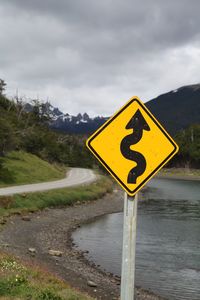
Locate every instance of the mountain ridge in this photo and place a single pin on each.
(175, 110)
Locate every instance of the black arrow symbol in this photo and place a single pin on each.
(138, 124)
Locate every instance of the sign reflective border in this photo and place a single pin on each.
(132, 145)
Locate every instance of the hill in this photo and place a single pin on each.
(22, 168)
(177, 109)
(29, 132)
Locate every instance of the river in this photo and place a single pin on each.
(168, 239)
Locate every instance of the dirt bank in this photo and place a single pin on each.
(51, 229)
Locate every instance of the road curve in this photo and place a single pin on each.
(75, 176)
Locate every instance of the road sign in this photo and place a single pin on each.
(132, 145)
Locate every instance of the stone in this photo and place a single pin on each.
(26, 218)
(3, 221)
(55, 253)
(5, 245)
(91, 283)
(32, 250)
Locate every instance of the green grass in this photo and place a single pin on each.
(54, 198)
(23, 281)
(27, 168)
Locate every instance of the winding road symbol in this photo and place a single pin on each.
(132, 145)
(138, 124)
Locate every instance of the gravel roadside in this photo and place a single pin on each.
(51, 229)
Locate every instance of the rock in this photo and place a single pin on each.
(17, 213)
(5, 245)
(32, 250)
(3, 221)
(55, 253)
(117, 278)
(26, 218)
(91, 283)
(85, 252)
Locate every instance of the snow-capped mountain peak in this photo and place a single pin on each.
(81, 123)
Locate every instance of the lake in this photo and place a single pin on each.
(168, 239)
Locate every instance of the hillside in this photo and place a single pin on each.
(177, 109)
(29, 132)
(21, 168)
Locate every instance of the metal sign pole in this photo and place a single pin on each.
(129, 245)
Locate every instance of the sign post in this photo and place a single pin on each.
(129, 245)
(133, 146)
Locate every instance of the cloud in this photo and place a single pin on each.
(92, 56)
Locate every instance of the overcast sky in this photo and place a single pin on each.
(87, 55)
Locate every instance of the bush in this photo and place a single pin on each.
(48, 295)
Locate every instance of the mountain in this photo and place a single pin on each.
(80, 124)
(177, 109)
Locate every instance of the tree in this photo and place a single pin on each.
(2, 86)
(189, 148)
(8, 139)
(5, 174)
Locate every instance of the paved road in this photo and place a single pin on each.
(75, 176)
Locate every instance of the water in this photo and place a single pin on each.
(168, 240)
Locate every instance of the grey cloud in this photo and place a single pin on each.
(108, 47)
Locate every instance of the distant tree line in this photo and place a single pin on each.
(189, 144)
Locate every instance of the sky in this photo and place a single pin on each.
(93, 56)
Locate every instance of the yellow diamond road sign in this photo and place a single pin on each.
(132, 146)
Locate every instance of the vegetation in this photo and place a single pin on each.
(22, 167)
(23, 281)
(2, 86)
(180, 172)
(62, 197)
(189, 143)
(29, 131)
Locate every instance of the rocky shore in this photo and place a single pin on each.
(44, 238)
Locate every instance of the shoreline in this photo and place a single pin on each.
(52, 229)
(179, 174)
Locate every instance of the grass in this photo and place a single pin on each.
(54, 198)
(28, 168)
(23, 281)
(180, 172)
